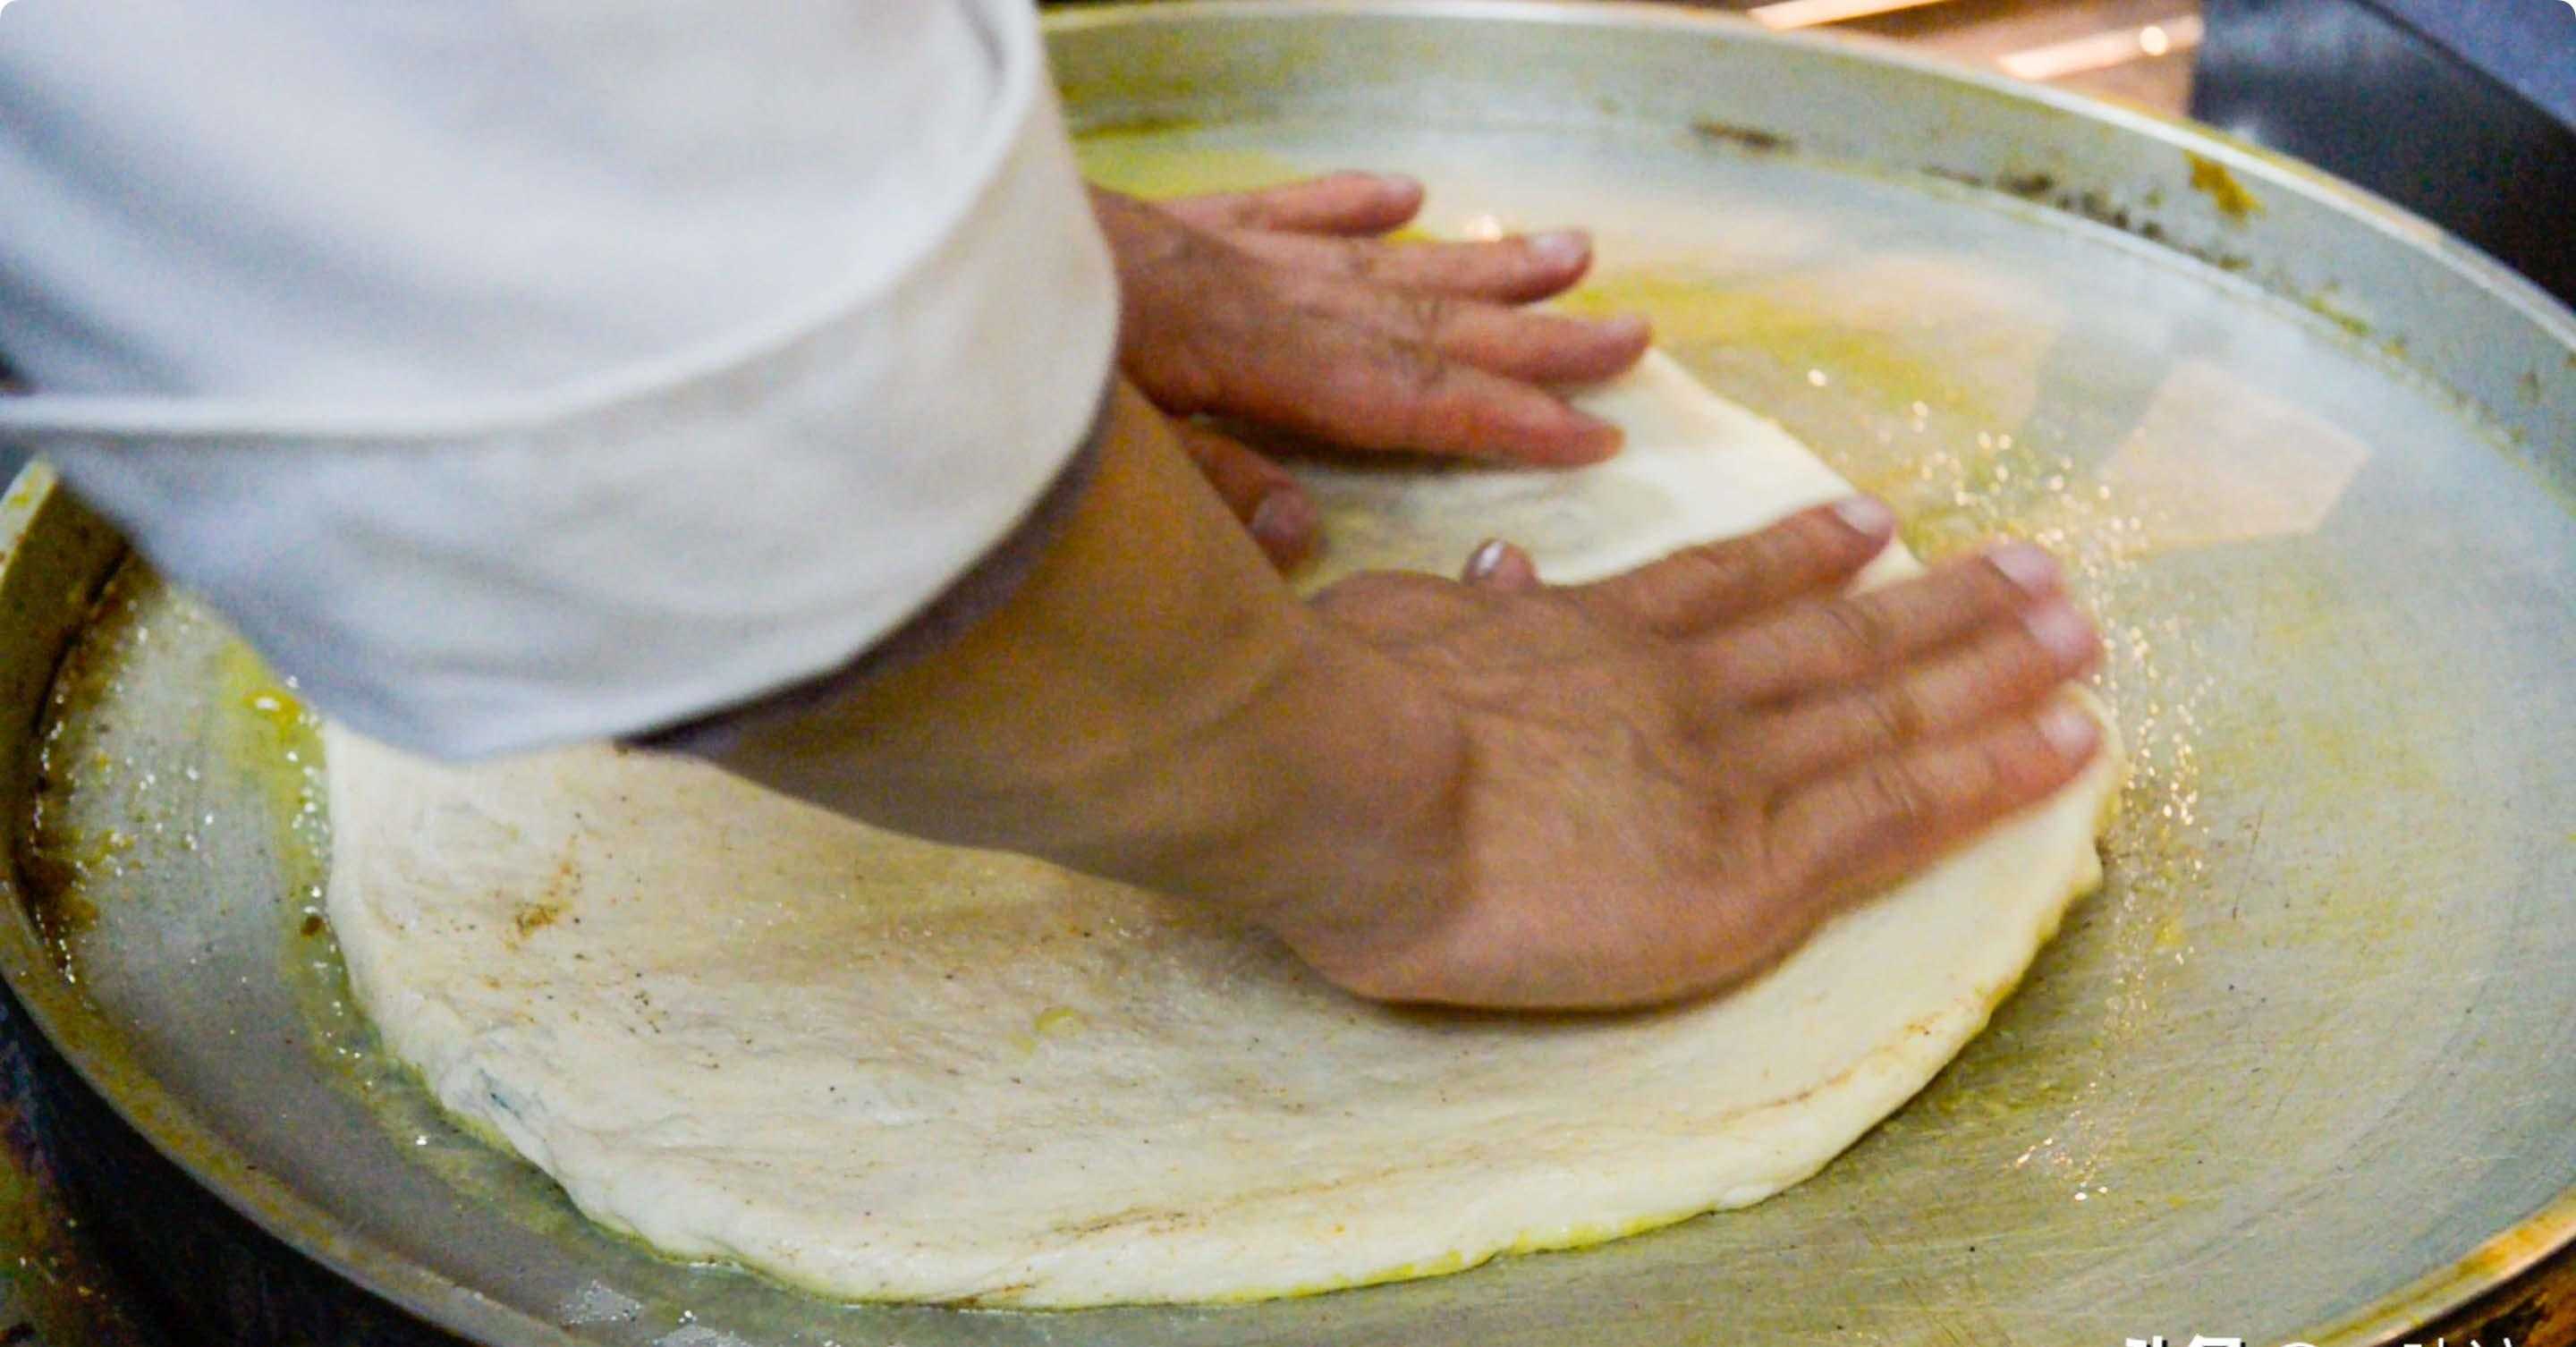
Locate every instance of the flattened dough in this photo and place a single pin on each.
(744, 1029)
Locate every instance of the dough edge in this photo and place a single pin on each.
(431, 1047)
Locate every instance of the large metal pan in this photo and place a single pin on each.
(2306, 1068)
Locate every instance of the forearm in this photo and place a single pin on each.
(1150, 704)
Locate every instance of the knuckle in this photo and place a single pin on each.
(1720, 567)
(1898, 797)
(1748, 664)
(1672, 594)
(1794, 552)
(1425, 315)
(1886, 718)
(1975, 594)
(1801, 848)
(1422, 370)
(1807, 536)
(2014, 763)
(1988, 771)
(2019, 666)
(1854, 634)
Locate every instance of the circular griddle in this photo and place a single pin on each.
(2305, 1068)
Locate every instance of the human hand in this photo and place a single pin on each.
(1287, 307)
(1490, 793)
(1661, 783)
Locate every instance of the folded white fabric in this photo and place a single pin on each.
(515, 372)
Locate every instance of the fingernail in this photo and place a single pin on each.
(2030, 568)
(1488, 556)
(1624, 326)
(1866, 516)
(1395, 182)
(1283, 518)
(1563, 248)
(2069, 730)
(2061, 631)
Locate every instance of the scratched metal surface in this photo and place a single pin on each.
(2306, 1067)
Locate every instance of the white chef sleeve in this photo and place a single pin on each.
(521, 371)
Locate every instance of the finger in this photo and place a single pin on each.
(1852, 639)
(1814, 551)
(1517, 343)
(1338, 203)
(1361, 389)
(1512, 270)
(1273, 507)
(1868, 827)
(2005, 670)
(1395, 609)
(1500, 566)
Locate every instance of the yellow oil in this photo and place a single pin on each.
(2212, 179)
(1143, 161)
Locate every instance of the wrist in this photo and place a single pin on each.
(1334, 804)
(1151, 705)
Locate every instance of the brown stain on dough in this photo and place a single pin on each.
(548, 907)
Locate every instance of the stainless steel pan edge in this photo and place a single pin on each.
(55, 554)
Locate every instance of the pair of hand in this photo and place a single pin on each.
(1643, 788)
